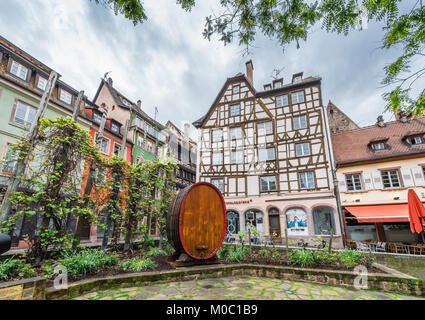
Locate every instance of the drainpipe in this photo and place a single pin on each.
(334, 177)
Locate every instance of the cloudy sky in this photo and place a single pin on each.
(167, 63)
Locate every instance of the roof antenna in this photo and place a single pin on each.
(106, 75)
(276, 72)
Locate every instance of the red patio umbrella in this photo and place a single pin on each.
(416, 212)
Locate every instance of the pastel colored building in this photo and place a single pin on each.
(268, 153)
(376, 165)
(23, 79)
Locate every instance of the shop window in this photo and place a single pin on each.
(254, 219)
(233, 222)
(323, 220)
(297, 224)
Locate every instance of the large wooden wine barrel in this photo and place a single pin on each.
(196, 221)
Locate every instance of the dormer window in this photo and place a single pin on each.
(379, 146)
(19, 70)
(417, 140)
(97, 117)
(297, 79)
(115, 128)
(65, 96)
(41, 83)
(126, 103)
(267, 87)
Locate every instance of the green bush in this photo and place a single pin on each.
(276, 255)
(138, 265)
(87, 261)
(155, 252)
(237, 254)
(324, 256)
(264, 253)
(302, 257)
(11, 268)
(222, 252)
(352, 258)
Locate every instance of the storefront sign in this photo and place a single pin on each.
(12, 293)
(239, 202)
(297, 222)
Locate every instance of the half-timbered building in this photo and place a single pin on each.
(268, 153)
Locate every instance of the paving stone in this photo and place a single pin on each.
(150, 289)
(328, 292)
(129, 289)
(188, 284)
(303, 291)
(170, 291)
(141, 296)
(160, 297)
(221, 291)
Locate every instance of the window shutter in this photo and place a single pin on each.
(341, 182)
(377, 181)
(418, 176)
(407, 177)
(367, 181)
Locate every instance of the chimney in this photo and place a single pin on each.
(139, 104)
(110, 82)
(186, 131)
(249, 72)
(380, 122)
(403, 116)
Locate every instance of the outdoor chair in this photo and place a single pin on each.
(400, 248)
(363, 246)
(380, 247)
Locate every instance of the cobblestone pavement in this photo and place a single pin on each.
(240, 288)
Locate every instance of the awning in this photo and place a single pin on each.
(380, 213)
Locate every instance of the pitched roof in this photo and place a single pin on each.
(118, 98)
(353, 146)
(239, 77)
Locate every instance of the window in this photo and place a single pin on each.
(219, 184)
(217, 135)
(9, 160)
(379, 146)
(140, 141)
(150, 146)
(302, 149)
(297, 79)
(323, 221)
(235, 110)
(117, 149)
(235, 133)
(97, 117)
(236, 89)
(265, 128)
(104, 145)
(266, 154)
(232, 222)
(300, 122)
(126, 103)
(65, 96)
(237, 156)
(19, 70)
(217, 158)
(390, 179)
(416, 140)
(115, 128)
(307, 180)
(298, 97)
(268, 183)
(353, 182)
(42, 83)
(282, 101)
(24, 114)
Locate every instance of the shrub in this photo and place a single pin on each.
(87, 261)
(351, 258)
(302, 257)
(169, 248)
(222, 252)
(265, 253)
(138, 265)
(276, 255)
(238, 254)
(321, 256)
(155, 252)
(12, 267)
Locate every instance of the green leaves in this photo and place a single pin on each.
(131, 9)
